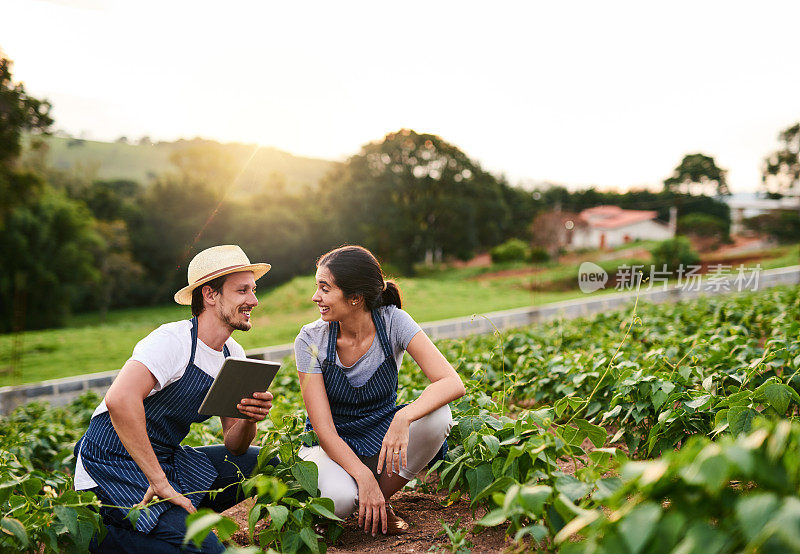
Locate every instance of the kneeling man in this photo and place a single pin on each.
(131, 452)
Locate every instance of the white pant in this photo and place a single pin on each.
(425, 438)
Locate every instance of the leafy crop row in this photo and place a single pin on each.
(669, 426)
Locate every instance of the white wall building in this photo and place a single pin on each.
(612, 226)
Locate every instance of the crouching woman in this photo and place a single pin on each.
(348, 361)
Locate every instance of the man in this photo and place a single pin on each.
(131, 452)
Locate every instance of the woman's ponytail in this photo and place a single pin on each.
(391, 294)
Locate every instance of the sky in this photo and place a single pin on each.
(608, 94)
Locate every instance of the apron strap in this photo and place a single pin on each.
(383, 337)
(194, 343)
(333, 334)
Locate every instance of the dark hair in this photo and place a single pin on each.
(197, 293)
(357, 272)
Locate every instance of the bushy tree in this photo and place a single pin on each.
(414, 197)
(698, 173)
(674, 253)
(46, 238)
(45, 255)
(780, 171)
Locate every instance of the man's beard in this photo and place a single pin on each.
(234, 324)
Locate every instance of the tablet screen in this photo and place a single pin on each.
(238, 378)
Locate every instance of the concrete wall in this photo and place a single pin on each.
(61, 391)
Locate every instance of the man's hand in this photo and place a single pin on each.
(256, 408)
(165, 491)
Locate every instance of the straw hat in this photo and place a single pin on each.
(215, 262)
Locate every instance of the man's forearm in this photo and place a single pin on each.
(240, 435)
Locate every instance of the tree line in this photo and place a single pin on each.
(70, 243)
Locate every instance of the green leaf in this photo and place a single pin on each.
(308, 536)
(278, 516)
(16, 529)
(32, 486)
(637, 527)
(493, 518)
(534, 498)
(613, 412)
(740, 419)
(307, 475)
(68, 517)
(596, 434)
(252, 518)
(698, 402)
(498, 484)
(754, 511)
(323, 511)
(199, 525)
(478, 479)
(779, 396)
(606, 487)
(571, 487)
(493, 443)
(702, 539)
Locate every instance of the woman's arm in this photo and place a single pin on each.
(125, 403)
(372, 507)
(238, 433)
(445, 387)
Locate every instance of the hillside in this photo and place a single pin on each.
(144, 162)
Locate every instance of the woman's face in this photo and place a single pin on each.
(333, 306)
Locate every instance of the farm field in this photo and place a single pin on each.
(88, 345)
(657, 428)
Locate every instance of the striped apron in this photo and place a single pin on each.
(168, 414)
(361, 415)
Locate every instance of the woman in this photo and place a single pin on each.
(347, 361)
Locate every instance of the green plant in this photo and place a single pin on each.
(457, 537)
(673, 253)
(512, 250)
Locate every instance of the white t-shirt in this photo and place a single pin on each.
(165, 352)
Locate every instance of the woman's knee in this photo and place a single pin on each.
(345, 498)
(435, 426)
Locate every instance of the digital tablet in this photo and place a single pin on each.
(238, 378)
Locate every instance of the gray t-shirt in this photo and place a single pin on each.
(311, 345)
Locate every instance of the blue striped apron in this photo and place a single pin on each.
(361, 415)
(168, 414)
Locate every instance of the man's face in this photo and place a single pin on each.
(236, 300)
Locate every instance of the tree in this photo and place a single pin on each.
(780, 172)
(414, 197)
(46, 255)
(18, 113)
(696, 174)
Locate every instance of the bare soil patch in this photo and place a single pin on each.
(424, 511)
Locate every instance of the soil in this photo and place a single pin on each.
(424, 511)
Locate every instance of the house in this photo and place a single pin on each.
(611, 226)
(746, 205)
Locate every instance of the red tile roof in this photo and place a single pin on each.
(613, 217)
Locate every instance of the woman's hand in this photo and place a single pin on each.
(165, 491)
(256, 408)
(371, 506)
(395, 444)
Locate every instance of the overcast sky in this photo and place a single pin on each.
(611, 94)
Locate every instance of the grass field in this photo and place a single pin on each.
(88, 345)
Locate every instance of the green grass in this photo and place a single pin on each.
(88, 345)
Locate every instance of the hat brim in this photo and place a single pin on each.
(184, 296)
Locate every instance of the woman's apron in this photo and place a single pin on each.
(362, 415)
(168, 415)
